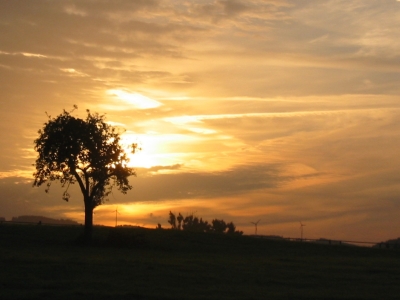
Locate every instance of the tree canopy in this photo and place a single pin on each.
(86, 151)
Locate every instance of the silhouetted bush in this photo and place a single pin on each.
(194, 224)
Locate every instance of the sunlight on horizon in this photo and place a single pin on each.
(148, 214)
(135, 214)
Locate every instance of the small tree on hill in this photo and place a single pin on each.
(172, 220)
(86, 151)
(180, 220)
(231, 228)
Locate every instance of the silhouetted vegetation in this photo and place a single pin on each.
(43, 220)
(86, 151)
(194, 224)
(390, 244)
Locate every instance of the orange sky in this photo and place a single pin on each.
(283, 111)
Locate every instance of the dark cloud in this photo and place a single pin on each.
(220, 10)
(20, 198)
(156, 169)
(150, 186)
(234, 7)
(186, 185)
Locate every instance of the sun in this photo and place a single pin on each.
(147, 155)
(140, 159)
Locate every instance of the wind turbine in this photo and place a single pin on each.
(255, 225)
(301, 229)
(116, 216)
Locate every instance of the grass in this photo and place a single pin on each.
(44, 262)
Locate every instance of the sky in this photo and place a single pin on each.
(281, 111)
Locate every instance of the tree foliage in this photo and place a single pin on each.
(193, 223)
(84, 151)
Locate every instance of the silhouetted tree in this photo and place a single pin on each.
(204, 226)
(190, 222)
(193, 223)
(86, 151)
(172, 220)
(218, 226)
(231, 229)
(180, 219)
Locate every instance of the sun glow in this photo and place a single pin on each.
(147, 153)
(142, 160)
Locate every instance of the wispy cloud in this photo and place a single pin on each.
(135, 99)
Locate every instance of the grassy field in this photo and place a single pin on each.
(45, 262)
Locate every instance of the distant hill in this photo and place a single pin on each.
(390, 244)
(43, 220)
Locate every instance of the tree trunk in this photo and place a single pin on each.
(88, 230)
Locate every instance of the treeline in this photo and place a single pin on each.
(42, 220)
(193, 223)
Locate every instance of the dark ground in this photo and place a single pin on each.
(46, 262)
